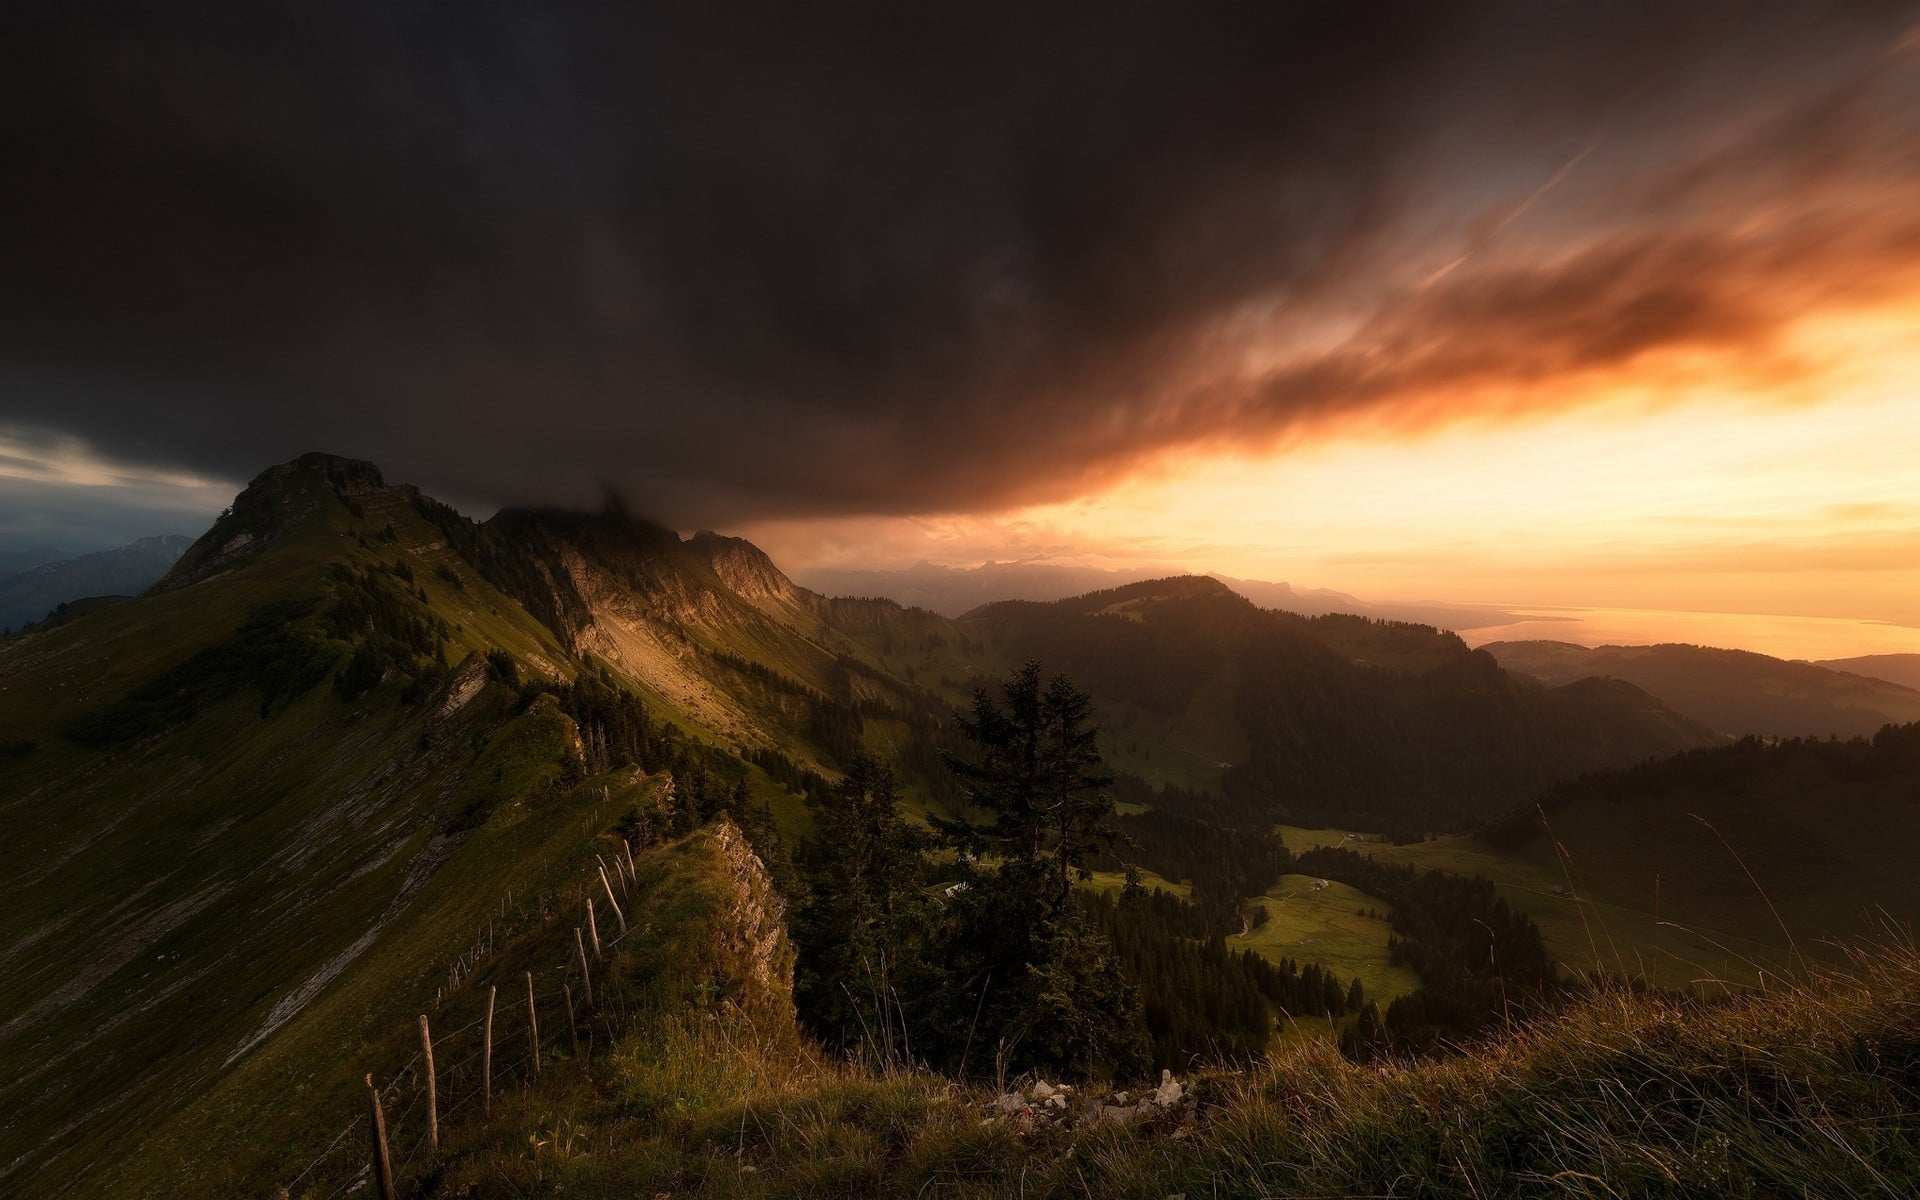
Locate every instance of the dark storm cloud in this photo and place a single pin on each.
(899, 257)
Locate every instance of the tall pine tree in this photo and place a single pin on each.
(1027, 981)
(864, 910)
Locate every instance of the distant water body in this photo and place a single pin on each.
(1782, 637)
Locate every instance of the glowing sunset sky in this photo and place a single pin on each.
(1613, 305)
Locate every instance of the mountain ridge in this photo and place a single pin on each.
(956, 591)
(1737, 692)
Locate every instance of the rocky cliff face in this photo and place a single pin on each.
(751, 928)
(743, 566)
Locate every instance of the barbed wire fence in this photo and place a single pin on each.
(542, 1016)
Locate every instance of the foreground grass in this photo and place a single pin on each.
(1812, 1089)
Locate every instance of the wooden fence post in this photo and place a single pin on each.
(573, 1031)
(593, 929)
(586, 977)
(433, 1095)
(377, 1124)
(533, 1025)
(611, 901)
(486, 1058)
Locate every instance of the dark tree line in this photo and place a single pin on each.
(1892, 753)
(1224, 865)
(393, 631)
(269, 654)
(1200, 1000)
(282, 651)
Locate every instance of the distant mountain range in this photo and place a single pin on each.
(31, 590)
(1903, 669)
(14, 561)
(1733, 691)
(956, 591)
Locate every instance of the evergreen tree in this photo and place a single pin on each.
(864, 907)
(1027, 981)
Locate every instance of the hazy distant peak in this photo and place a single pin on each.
(32, 594)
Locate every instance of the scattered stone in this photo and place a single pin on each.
(1010, 1103)
(1169, 1092)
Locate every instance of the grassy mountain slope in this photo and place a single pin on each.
(1734, 691)
(211, 852)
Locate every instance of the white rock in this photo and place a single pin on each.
(1169, 1092)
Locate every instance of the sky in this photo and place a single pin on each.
(1609, 304)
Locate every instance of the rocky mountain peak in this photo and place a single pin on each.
(277, 498)
(742, 566)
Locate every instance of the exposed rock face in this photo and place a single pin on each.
(743, 566)
(752, 929)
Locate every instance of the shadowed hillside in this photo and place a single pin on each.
(1380, 724)
(1736, 692)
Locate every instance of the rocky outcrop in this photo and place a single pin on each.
(743, 566)
(1169, 1106)
(750, 929)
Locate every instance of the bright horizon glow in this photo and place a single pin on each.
(1796, 499)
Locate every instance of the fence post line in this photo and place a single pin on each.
(573, 1031)
(486, 1058)
(533, 1025)
(593, 928)
(615, 904)
(586, 976)
(377, 1124)
(433, 1094)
